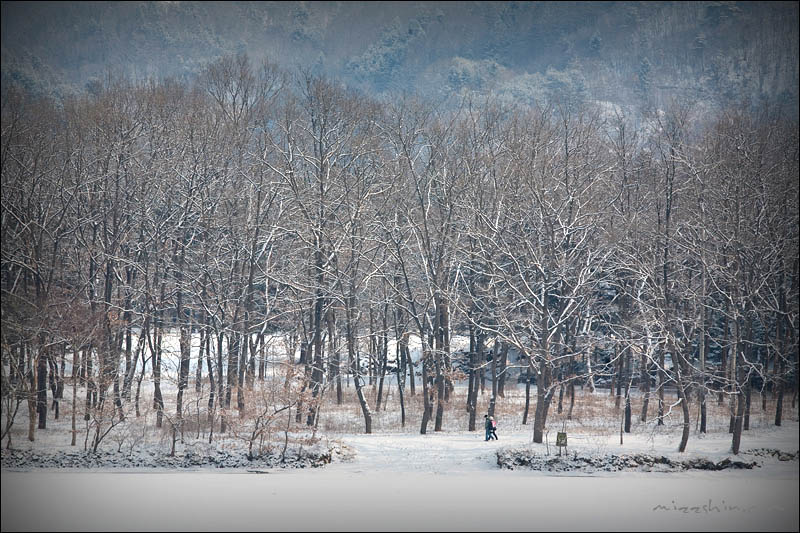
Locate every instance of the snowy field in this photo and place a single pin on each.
(445, 481)
(399, 480)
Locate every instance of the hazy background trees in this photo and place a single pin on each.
(632, 54)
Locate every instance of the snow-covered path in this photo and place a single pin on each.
(434, 453)
(398, 482)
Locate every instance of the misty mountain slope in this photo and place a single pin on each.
(627, 53)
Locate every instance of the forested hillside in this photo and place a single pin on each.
(627, 53)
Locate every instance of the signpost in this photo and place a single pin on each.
(561, 441)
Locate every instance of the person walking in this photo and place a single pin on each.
(487, 425)
(493, 431)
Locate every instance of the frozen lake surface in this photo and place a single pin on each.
(444, 481)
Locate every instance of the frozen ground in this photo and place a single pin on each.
(403, 481)
(445, 481)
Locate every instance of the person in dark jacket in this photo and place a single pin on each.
(487, 425)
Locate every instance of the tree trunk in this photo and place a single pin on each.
(781, 332)
(644, 384)
(724, 357)
(618, 367)
(317, 370)
(233, 374)
(428, 403)
(471, 374)
(53, 380)
(352, 356)
(198, 371)
(87, 359)
(158, 400)
(333, 352)
(680, 370)
(779, 401)
(185, 342)
(748, 391)
(527, 395)
(472, 396)
(411, 371)
(41, 385)
(441, 359)
(501, 384)
(543, 396)
(31, 369)
(495, 353)
(400, 385)
(701, 390)
(661, 383)
(244, 345)
(628, 380)
(383, 344)
(75, 381)
(221, 393)
(211, 382)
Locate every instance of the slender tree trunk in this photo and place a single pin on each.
(41, 385)
(401, 378)
(145, 333)
(87, 359)
(233, 374)
(352, 356)
(411, 370)
(428, 404)
(680, 370)
(472, 391)
(767, 384)
(620, 378)
(198, 371)
(748, 392)
(779, 400)
(724, 358)
(701, 390)
(158, 399)
(336, 375)
(661, 382)
(544, 393)
(738, 397)
(244, 346)
(221, 392)
(495, 353)
(628, 380)
(53, 380)
(211, 382)
(471, 373)
(317, 370)
(75, 381)
(781, 332)
(501, 384)
(185, 342)
(527, 395)
(383, 348)
(31, 368)
(644, 382)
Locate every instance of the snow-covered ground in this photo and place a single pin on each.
(400, 480)
(441, 481)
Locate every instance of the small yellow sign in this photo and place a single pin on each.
(561, 439)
